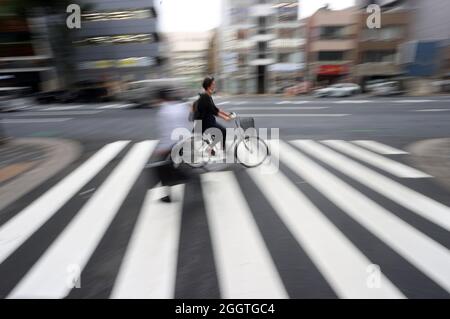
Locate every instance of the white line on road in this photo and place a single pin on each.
(114, 106)
(294, 115)
(276, 108)
(244, 265)
(433, 110)
(62, 108)
(50, 276)
(39, 120)
(223, 103)
(414, 201)
(150, 264)
(62, 113)
(379, 147)
(386, 164)
(428, 256)
(292, 102)
(352, 102)
(338, 260)
(17, 230)
(414, 101)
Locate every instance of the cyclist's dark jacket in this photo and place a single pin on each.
(206, 111)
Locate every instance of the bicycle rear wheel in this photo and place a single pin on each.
(252, 151)
(192, 152)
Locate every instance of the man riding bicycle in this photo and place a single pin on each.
(206, 111)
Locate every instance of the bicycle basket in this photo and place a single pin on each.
(247, 122)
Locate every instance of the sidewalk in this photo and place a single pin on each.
(25, 163)
(433, 156)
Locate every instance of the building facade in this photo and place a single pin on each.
(117, 39)
(189, 56)
(26, 58)
(378, 48)
(262, 46)
(332, 45)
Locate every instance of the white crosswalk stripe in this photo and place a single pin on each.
(338, 260)
(416, 202)
(386, 164)
(25, 223)
(380, 148)
(245, 267)
(48, 277)
(149, 268)
(429, 256)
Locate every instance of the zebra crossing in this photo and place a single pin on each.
(324, 200)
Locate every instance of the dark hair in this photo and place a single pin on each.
(207, 82)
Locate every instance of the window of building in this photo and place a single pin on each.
(332, 32)
(119, 39)
(331, 56)
(242, 34)
(383, 34)
(379, 56)
(287, 33)
(284, 57)
(120, 15)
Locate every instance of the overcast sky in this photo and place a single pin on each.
(202, 15)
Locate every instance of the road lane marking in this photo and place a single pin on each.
(63, 108)
(17, 230)
(50, 113)
(425, 254)
(294, 115)
(276, 108)
(379, 147)
(386, 164)
(292, 102)
(414, 101)
(244, 265)
(48, 278)
(433, 110)
(149, 268)
(338, 260)
(223, 103)
(352, 102)
(36, 121)
(115, 106)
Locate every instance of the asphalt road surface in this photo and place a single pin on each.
(346, 214)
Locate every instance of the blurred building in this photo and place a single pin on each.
(424, 53)
(213, 56)
(262, 46)
(426, 56)
(378, 49)
(332, 45)
(25, 54)
(189, 56)
(118, 39)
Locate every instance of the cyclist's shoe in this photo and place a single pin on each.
(166, 199)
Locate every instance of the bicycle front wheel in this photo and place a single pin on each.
(252, 151)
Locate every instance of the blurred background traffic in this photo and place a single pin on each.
(258, 47)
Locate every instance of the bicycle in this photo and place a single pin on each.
(249, 149)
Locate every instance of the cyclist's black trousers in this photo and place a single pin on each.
(221, 128)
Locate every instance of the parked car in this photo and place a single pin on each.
(443, 85)
(386, 88)
(14, 98)
(338, 90)
(146, 92)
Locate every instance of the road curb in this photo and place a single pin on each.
(433, 157)
(59, 153)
